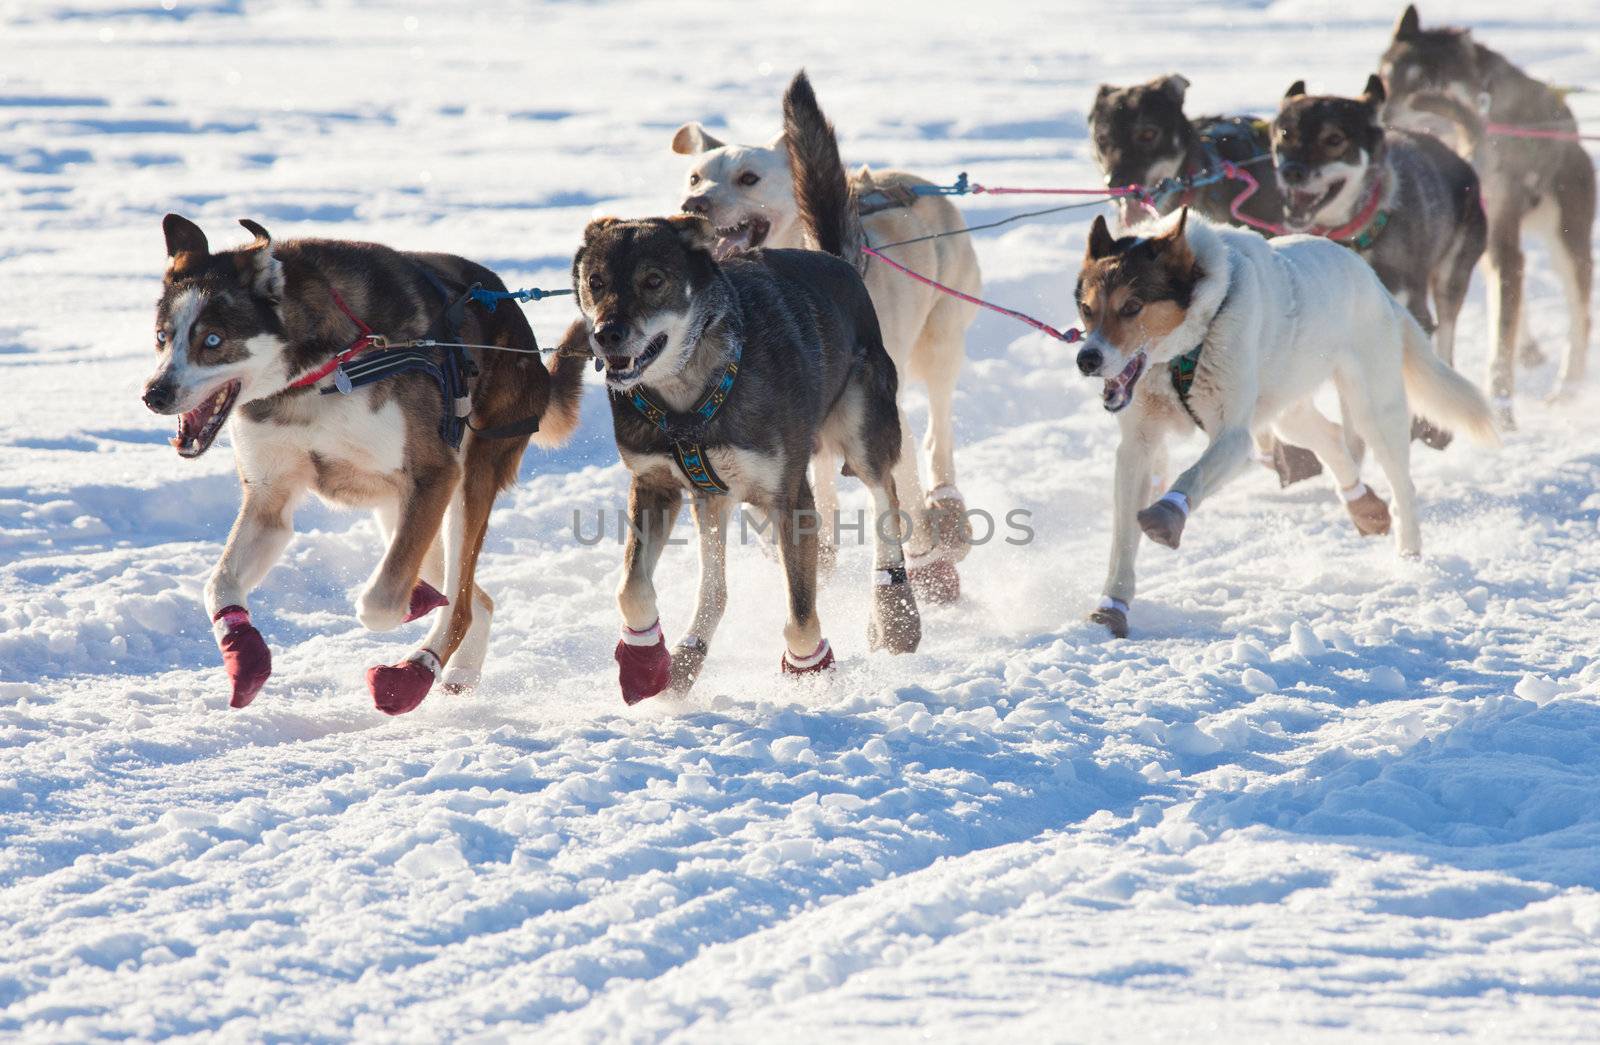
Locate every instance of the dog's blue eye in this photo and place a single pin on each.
(161, 337)
(213, 340)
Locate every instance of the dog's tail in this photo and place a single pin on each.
(1440, 394)
(560, 417)
(826, 200)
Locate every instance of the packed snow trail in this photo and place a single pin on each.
(1322, 792)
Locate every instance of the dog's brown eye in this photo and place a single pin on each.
(1130, 308)
(749, 178)
(694, 179)
(595, 282)
(1333, 141)
(653, 281)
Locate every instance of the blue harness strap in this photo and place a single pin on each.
(684, 431)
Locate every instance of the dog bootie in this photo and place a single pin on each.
(1293, 463)
(1112, 615)
(935, 579)
(1367, 510)
(644, 667)
(425, 598)
(948, 522)
(1163, 521)
(1430, 434)
(399, 688)
(244, 654)
(894, 624)
(820, 660)
(688, 657)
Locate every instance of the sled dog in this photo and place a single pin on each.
(1196, 325)
(725, 376)
(250, 335)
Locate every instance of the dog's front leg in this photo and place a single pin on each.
(643, 664)
(711, 523)
(1219, 464)
(805, 650)
(385, 603)
(1136, 455)
(259, 536)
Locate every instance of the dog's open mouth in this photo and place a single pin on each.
(747, 235)
(621, 369)
(1119, 390)
(1301, 206)
(198, 428)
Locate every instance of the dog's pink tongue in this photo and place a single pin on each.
(425, 598)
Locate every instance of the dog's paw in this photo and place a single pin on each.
(1112, 619)
(459, 680)
(425, 598)
(245, 655)
(1505, 417)
(1529, 354)
(894, 623)
(1430, 434)
(688, 658)
(1293, 464)
(1369, 512)
(1565, 392)
(644, 667)
(818, 662)
(1163, 522)
(378, 611)
(949, 525)
(399, 688)
(936, 581)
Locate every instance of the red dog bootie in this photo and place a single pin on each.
(244, 653)
(644, 667)
(820, 660)
(425, 598)
(399, 688)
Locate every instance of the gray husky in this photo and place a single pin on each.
(1403, 201)
(1545, 186)
(725, 377)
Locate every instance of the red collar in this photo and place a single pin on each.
(367, 340)
(1357, 225)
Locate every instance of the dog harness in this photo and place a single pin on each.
(684, 431)
(439, 354)
(893, 197)
(1182, 370)
(1246, 129)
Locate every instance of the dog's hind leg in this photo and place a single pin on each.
(1452, 276)
(825, 484)
(644, 666)
(805, 650)
(1572, 255)
(1505, 308)
(1376, 399)
(1304, 424)
(711, 524)
(401, 687)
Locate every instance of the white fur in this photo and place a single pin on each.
(1278, 318)
(1346, 202)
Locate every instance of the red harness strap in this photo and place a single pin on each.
(358, 346)
(1358, 223)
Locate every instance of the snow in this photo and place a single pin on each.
(1322, 793)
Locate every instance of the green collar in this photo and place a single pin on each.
(1182, 370)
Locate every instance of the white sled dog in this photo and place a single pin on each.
(1240, 331)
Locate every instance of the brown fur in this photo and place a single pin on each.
(1137, 295)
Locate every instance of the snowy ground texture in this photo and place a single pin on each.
(1321, 794)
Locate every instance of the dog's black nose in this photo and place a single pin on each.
(158, 396)
(1089, 361)
(697, 205)
(611, 335)
(1294, 173)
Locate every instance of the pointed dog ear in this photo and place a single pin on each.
(692, 138)
(186, 244)
(1101, 243)
(597, 226)
(1103, 90)
(1409, 25)
(694, 230)
(1295, 90)
(258, 267)
(1174, 242)
(1173, 86)
(1374, 95)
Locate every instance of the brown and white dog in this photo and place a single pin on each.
(238, 332)
(747, 193)
(1200, 326)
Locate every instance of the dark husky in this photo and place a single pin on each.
(725, 378)
(1542, 185)
(1403, 201)
(1141, 137)
(251, 332)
